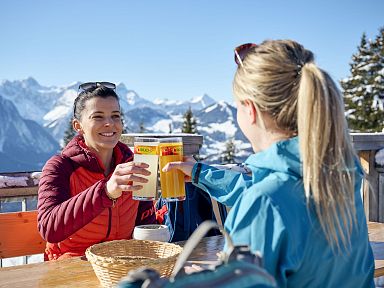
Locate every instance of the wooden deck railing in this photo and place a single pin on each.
(367, 145)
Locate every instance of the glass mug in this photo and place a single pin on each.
(172, 182)
(145, 150)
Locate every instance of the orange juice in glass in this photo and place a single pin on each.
(145, 151)
(172, 182)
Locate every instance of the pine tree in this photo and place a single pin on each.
(189, 124)
(142, 127)
(378, 72)
(229, 153)
(69, 133)
(362, 93)
(123, 122)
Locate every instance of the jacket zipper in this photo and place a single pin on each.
(109, 222)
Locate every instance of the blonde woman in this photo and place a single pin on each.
(301, 208)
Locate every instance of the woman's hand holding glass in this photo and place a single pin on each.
(123, 177)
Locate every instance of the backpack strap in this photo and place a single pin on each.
(220, 211)
(194, 240)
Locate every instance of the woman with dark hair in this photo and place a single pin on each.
(84, 193)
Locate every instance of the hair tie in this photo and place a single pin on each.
(299, 68)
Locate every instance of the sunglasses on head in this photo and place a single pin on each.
(241, 51)
(94, 85)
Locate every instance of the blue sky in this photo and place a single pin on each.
(171, 49)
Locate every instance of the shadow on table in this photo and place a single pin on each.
(377, 248)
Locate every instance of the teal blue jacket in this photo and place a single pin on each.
(270, 214)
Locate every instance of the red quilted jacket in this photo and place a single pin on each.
(74, 211)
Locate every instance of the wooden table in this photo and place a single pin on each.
(376, 237)
(78, 272)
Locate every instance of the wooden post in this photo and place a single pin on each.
(381, 194)
(367, 145)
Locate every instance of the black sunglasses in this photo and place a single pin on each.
(94, 85)
(241, 51)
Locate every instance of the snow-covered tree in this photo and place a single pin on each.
(189, 124)
(363, 90)
(378, 70)
(142, 128)
(69, 133)
(229, 153)
(123, 122)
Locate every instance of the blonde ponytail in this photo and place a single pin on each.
(326, 153)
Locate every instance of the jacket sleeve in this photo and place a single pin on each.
(59, 214)
(223, 185)
(146, 213)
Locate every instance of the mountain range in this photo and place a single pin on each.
(35, 117)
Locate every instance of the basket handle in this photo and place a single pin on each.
(194, 240)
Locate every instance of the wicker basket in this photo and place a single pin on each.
(113, 259)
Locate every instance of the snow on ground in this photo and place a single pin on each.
(8, 262)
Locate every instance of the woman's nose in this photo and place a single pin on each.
(109, 121)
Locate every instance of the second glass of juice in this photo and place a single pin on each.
(145, 150)
(172, 182)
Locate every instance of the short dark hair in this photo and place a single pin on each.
(84, 96)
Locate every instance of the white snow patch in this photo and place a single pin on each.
(6, 181)
(379, 157)
(227, 127)
(57, 113)
(162, 126)
(210, 108)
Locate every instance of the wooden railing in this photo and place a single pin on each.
(18, 230)
(19, 235)
(367, 145)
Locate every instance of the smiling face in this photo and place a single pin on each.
(100, 124)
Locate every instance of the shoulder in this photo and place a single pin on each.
(55, 174)
(58, 164)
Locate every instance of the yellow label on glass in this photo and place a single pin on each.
(146, 150)
(169, 149)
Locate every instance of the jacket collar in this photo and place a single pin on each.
(282, 156)
(78, 152)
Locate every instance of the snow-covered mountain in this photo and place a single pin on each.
(24, 144)
(31, 99)
(217, 123)
(179, 106)
(51, 107)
